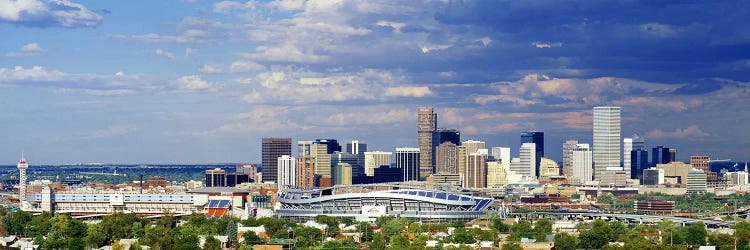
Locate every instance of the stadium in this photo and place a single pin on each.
(369, 201)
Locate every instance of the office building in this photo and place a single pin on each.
(696, 182)
(476, 171)
(501, 154)
(660, 155)
(287, 166)
(376, 159)
(700, 162)
(652, 177)
(234, 179)
(526, 167)
(358, 148)
(496, 175)
(343, 174)
(216, 178)
(473, 146)
(271, 150)
(672, 154)
(442, 135)
(606, 149)
(426, 124)
(548, 168)
(627, 146)
(737, 178)
(407, 159)
(351, 159)
(305, 176)
(332, 145)
(582, 163)
(675, 172)
(567, 155)
(462, 160)
(446, 160)
(638, 162)
(537, 138)
(385, 174)
(442, 178)
(304, 148)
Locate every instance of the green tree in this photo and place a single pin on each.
(378, 242)
(499, 224)
(461, 235)
(117, 246)
(400, 242)
(340, 244)
(307, 236)
(393, 227)
(510, 245)
(522, 229)
(136, 230)
(136, 246)
(186, 241)
(366, 230)
(212, 243)
(542, 228)
(118, 225)
(564, 241)
(66, 232)
(231, 232)
(597, 236)
(694, 234)
(251, 238)
(95, 236)
(721, 241)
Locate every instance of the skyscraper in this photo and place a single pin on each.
(567, 167)
(305, 171)
(271, 150)
(639, 162)
(476, 171)
(426, 124)
(660, 155)
(672, 154)
(351, 159)
(446, 160)
(582, 163)
(496, 175)
(444, 135)
(287, 171)
(407, 159)
(343, 174)
(537, 138)
(627, 146)
(322, 159)
(22, 166)
(606, 140)
(357, 148)
(332, 145)
(473, 146)
(700, 162)
(376, 159)
(526, 167)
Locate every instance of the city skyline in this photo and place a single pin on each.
(203, 82)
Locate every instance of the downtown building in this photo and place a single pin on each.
(271, 150)
(606, 150)
(537, 138)
(407, 159)
(426, 125)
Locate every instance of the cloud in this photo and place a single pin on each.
(288, 5)
(31, 47)
(60, 13)
(188, 52)
(546, 45)
(434, 47)
(112, 131)
(164, 53)
(420, 91)
(690, 132)
(246, 66)
(193, 83)
(187, 36)
(228, 6)
(211, 68)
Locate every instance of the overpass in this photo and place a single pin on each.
(628, 218)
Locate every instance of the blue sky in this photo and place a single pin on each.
(202, 81)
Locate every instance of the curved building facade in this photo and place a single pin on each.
(367, 202)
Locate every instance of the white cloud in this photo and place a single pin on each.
(418, 91)
(187, 36)
(63, 13)
(229, 6)
(211, 69)
(547, 45)
(288, 5)
(193, 83)
(188, 52)
(31, 47)
(164, 53)
(111, 131)
(397, 26)
(691, 132)
(246, 66)
(434, 47)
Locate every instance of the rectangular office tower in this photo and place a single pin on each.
(407, 159)
(568, 147)
(287, 175)
(537, 138)
(426, 124)
(606, 140)
(271, 150)
(582, 164)
(442, 135)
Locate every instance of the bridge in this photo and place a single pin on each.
(628, 218)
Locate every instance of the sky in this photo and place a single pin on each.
(203, 81)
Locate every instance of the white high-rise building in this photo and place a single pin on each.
(526, 167)
(582, 163)
(287, 175)
(22, 166)
(627, 146)
(376, 159)
(606, 140)
(567, 167)
(408, 160)
(473, 146)
(502, 155)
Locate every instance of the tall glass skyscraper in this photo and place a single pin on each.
(271, 150)
(537, 138)
(639, 161)
(660, 155)
(407, 159)
(606, 140)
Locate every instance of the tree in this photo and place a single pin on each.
(461, 235)
(251, 238)
(400, 242)
(415, 228)
(118, 225)
(721, 241)
(231, 232)
(212, 243)
(564, 241)
(520, 230)
(340, 244)
(378, 242)
(366, 230)
(393, 227)
(136, 230)
(499, 225)
(117, 246)
(307, 236)
(186, 241)
(66, 232)
(596, 237)
(542, 228)
(510, 245)
(95, 236)
(695, 234)
(136, 245)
